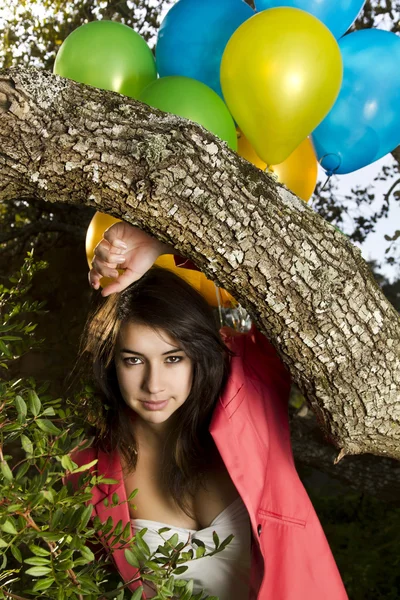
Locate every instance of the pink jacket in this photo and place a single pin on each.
(291, 558)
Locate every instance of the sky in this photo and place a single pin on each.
(375, 244)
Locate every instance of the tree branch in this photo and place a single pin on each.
(304, 284)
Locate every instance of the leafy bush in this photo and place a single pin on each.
(363, 533)
(47, 534)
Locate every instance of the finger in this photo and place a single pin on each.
(108, 253)
(115, 234)
(94, 279)
(124, 280)
(104, 269)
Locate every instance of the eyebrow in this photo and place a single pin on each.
(140, 354)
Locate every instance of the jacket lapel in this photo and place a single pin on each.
(109, 465)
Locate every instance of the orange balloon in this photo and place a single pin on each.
(298, 172)
(196, 279)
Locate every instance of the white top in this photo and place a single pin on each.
(225, 574)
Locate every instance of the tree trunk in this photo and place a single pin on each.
(304, 284)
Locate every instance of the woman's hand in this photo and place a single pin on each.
(125, 247)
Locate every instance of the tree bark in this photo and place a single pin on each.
(302, 281)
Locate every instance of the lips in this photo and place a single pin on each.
(155, 405)
(154, 402)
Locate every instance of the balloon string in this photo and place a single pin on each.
(219, 305)
(324, 186)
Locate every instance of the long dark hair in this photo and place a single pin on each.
(162, 300)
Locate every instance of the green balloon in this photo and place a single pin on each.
(193, 100)
(107, 55)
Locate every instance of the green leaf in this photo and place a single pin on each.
(38, 550)
(43, 584)
(37, 561)
(141, 544)
(85, 517)
(68, 463)
(131, 558)
(87, 554)
(198, 542)
(164, 529)
(34, 403)
(137, 594)
(226, 542)
(49, 412)
(9, 527)
(188, 591)
(200, 551)
(38, 571)
(5, 350)
(85, 467)
(150, 564)
(127, 531)
(115, 498)
(187, 555)
(47, 426)
(173, 540)
(215, 539)
(133, 494)
(6, 471)
(16, 553)
(26, 444)
(21, 408)
(118, 528)
(56, 518)
(107, 480)
(180, 570)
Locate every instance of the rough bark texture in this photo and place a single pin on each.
(304, 284)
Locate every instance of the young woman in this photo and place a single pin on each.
(196, 419)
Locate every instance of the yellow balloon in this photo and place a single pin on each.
(281, 72)
(99, 223)
(196, 279)
(94, 234)
(298, 172)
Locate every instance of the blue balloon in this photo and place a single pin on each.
(364, 123)
(193, 36)
(337, 15)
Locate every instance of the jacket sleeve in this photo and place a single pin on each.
(81, 458)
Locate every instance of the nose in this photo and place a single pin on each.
(153, 380)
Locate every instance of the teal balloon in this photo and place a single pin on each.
(107, 55)
(364, 123)
(337, 15)
(193, 36)
(192, 100)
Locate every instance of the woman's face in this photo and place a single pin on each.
(154, 374)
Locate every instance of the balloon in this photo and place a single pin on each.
(100, 222)
(337, 15)
(193, 36)
(107, 55)
(298, 172)
(193, 100)
(97, 226)
(364, 123)
(280, 74)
